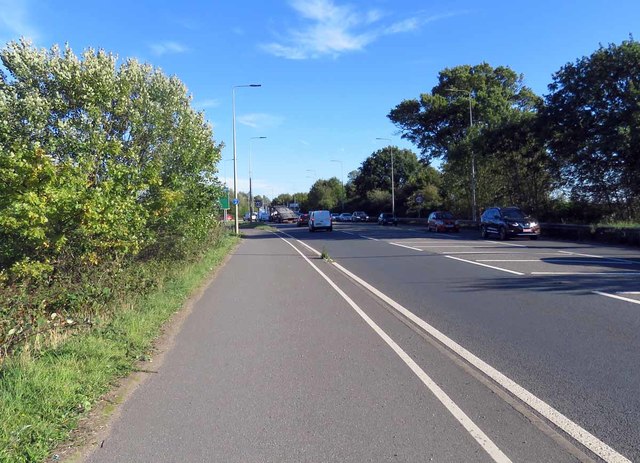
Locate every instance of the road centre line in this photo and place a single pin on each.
(369, 238)
(485, 265)
(348, 233)
(480, 437)
(615, 296)
(408, 247)
(581, 435)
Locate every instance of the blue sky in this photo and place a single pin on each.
(330, 69)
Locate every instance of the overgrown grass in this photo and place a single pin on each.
(42, 397)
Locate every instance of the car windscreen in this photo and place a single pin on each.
(514, 214)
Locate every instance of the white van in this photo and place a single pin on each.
(320, 220)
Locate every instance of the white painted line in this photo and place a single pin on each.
(509, 244)
(599, 257)
(580, 434)
(511, 253)
(369, 238)
(557, 261)
(615, 296)
(408, 247)
(455, 246)
(484, 265)
(631, 293)
(481, 438)
(585, 273)
(346, 232)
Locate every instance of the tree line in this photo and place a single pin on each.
(570, 155)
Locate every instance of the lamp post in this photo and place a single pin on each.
(250, 188)
(393, 191)
(473, 156)
(341, 181)
(235, 159)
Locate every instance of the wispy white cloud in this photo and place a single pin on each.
(167, 47)
(15, 21)
(206, 104)
(260, 120)
(330, 29)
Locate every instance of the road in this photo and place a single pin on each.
(406, 346)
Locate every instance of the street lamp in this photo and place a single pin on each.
(393, 191)
(341, 181)
(235, 159)
(250, 189)
(473, 156)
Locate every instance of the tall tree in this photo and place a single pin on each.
(593, 119)
(325, 194)
(451, 123)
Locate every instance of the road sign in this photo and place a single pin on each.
(235, 201)
(224, 203)
(419, 199)
(258, 203)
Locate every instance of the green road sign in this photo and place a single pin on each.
(224, 202)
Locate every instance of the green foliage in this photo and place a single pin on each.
(100, 165)
(592, 117)
(502, 143)
(325, 194)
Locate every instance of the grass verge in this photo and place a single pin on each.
(42, 398)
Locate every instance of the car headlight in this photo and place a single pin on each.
(533, 224)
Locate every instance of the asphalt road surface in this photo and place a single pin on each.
(406, 346)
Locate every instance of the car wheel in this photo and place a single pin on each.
(483, 232)
(331, 229)
(502, 233)
(534, 237)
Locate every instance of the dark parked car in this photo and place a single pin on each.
(359, 216)
(303, 219)
(387, 218)
(442, 221)
(508, 222)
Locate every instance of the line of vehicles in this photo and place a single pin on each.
(503, 222)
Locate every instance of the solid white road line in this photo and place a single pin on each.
(574, 430)
(408, 247)
(481, 438)
(585, 273)
(557, 261)
(599, 257)
(484, 265)
(615, 296)
(578, 433)
(369, 238)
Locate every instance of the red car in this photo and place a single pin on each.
(303, 220)
(442, 221)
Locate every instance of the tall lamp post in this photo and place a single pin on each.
(393, 191)
(235, 159)
(341, 181)
(473, 156)
(250, 188)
